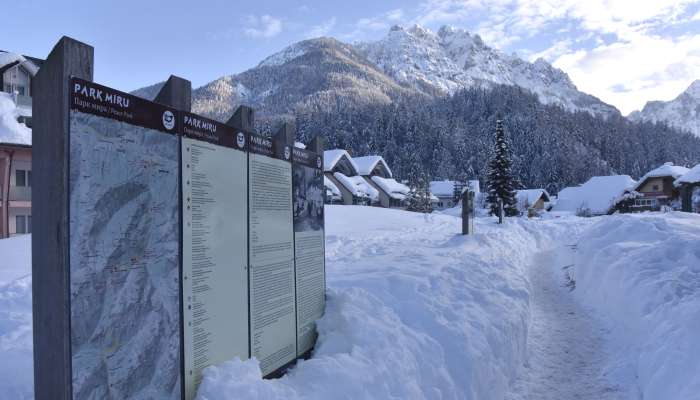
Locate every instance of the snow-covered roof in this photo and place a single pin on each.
(299, 145)
(597, 194)
(393, 188)
(9, 58)
(668, 169)
(331, 186)
(442, 188)
(11, 131)
(332, 157)
(531, 196)
(692, 176)
(357, 186)
(366, 164)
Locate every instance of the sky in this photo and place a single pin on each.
(624, 52)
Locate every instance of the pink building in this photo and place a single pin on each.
(15, 189)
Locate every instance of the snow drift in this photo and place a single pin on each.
(643, 272)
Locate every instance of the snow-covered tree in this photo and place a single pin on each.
(501, 183)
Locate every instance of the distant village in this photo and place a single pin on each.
(366, 180)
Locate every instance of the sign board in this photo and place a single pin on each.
(271, 254)
(124, 253)
(214, 246)
(309, 245)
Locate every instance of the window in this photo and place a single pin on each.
(20, 177)
(8, 88)
(20, 224)
(20, 90)
(655, 188)
(29, 178)
(29, 224)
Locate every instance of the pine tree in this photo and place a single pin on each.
(501, 183)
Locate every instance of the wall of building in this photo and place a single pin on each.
(658, 186)
(19, 201)
(17, 79)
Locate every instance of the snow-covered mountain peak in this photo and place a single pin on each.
(683, 112)
(453, 59)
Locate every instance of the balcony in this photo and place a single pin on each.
(20, 193)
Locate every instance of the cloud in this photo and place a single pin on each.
(264, 26)
(382, 22)
(321, 29)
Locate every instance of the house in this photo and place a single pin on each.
(15, 189)
(657, 189)
(16, 75)
(689, 187)
(444, 191)
(595, 197)
(333, 194)
(375, 171)
(533, 199)
(340, 169)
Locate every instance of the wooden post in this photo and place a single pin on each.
(284, 138)
(467, 212)
(50, 239)
(500, 211)
(243, 119)
(176, 93)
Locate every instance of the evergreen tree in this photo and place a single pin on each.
(501, 183)
(419, 198)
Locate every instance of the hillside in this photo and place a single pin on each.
(683, 112)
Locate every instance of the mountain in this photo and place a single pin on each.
(683, 112)
(311, 73)
(452, 59)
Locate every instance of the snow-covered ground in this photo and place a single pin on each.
(417, 311)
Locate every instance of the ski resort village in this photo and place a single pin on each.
(431, 200)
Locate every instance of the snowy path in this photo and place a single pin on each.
(566, 356)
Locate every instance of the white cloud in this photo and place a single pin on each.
(381, 22)
(322, 29)
(616, 50)
(264, 26)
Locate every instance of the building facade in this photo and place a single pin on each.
(656, 188)
(15, 189)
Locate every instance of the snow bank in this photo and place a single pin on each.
(16, 364)
(12, 131)
(643, 272)
(414, 312)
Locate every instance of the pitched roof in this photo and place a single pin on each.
(692, 176)
(332, 157)
(531, 195)
(597, 194)
(366, 164)
(11, 59)
(668, 169)
(393, 188)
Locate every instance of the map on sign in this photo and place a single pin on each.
(124, 256)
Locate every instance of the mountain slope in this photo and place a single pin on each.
(453, 59)
(683, 112)
(311, 73)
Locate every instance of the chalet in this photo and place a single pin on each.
(689, 187)
(595, 197)
(340, 169)
(444, 191)
(375, 171)
(16, 75)
(657, 190)
(533, 199)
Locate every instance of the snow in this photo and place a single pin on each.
(442, 188)
(8, 58)
(642, 271)
(530, 196)
(366, 164)
(668, 169)
(453, 59)
(335, 192)
(393, 188)
(12, 131)
(681, 112)
(331, 158)
(16, 368)
(597, 194)
(287, 54)
(692, 176)
(417, 311)
(357, 186)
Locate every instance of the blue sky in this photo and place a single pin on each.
(625, 52)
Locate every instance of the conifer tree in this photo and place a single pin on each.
(501, 183)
